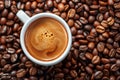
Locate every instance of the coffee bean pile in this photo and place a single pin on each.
(95, 51)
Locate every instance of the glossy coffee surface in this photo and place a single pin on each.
(46, 39)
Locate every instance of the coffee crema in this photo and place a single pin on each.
(46, 39)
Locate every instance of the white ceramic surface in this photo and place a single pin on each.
(27, 21)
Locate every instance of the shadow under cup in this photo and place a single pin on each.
(26, 28)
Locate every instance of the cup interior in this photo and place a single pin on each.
(22, 40)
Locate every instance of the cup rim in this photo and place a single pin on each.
(22, 41)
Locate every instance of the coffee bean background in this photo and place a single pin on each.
(95, 51)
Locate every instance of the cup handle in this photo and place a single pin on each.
(22, 16)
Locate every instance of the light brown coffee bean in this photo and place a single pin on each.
(96, 60)
(100, 29)
(3, 21)
(70, 22)
(88, 55)
(73, 73)
(91, 45)
(21, 73)
(110, 2)
(61, 7)
(33, 4)
(110, 21)
(98, 74)
(28, 5)
(71, 13)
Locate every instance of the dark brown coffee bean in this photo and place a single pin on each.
(90, 38)
(118, 62)
(88, 55)
(112, 52)
(106, 51)
(4, 13)
(3, 20)
(100, 29)
(71, 13)
(117, 37)
(61, 7)
(3, 62)
(109, 46)
(110, 21)
(118, 50)
(98, 74)
(83, 47)
(112, 77)
(21, 73)
(33, 71)
(91, 19)
(14, 8)
(6, 56)
(118, 78)
(96, 59)
(100, 46)
(107, 66)
(73, 30)
(59, 75)
(7, 3)
(104, 24)
(89, 70)
(28, 64)
(11, 15)
(9, 38)
(114, 67)
(15, 27)
(3, 29)
(73, 73)
(14, 58)
(83, 20)
(103, 9)
(2, 47)
(99, 17)
(7, 68)
(105, 60)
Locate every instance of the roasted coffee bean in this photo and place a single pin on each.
(70, 22)
(9, 38)
(32, 71)
(100, 46)
(83, 20)
(28, 64)
(7, 68)
(6, 56)
(83, 47)
(3, 29)
(11, 50)
(112, 53)
(3, 62)
(73, 30)
(14, 58)
(91, 19)
(1, 5)
(61, 7)
(91, 45)
(11, 15)
(7, 3)
(104, 23)
(88, 55)
(118, 62)
(2, 47)
(114, 67)
(71, 13)
(4, 13)
(89, 70)
(14, 8)
(21, 73)
(73, 73)
(98, 74)
(100, 29)
(105, 61)
(33, 4)
(110, 21)
(96, 59)
(3, 20)
(59, 75)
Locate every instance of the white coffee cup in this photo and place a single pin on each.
(27, 21)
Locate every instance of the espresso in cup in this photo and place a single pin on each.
(46, 39)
